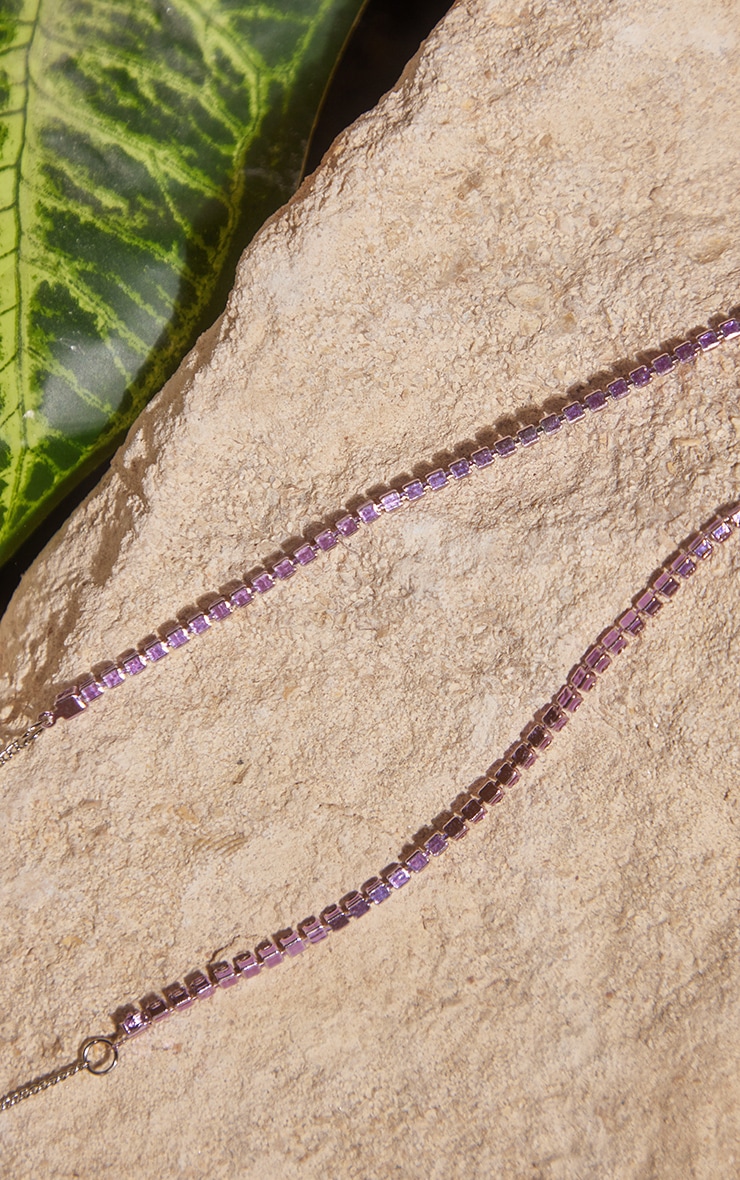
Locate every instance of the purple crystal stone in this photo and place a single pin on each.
(305, 554)
(177, 637)
(219, 610)
(537, 736)
(618, 389)
(413, 490)
(663, 364)
(730, 329)
(312, 930)
(685, 351)
(177, 996)
(283, 569)
(154, 649)
(262, 582)
(132, 663)
(69, 703)
(354, 904)
(290, 943)
(595, 401)
(347, 525)
(648, 603)
(156, 1007)
(490, 792)
(416, 860)
(198, 623)
(368, 512)
(567, 698)
(199, 985)
(223, 974)
(707, 340)
(482, 457)
(436, 844)
(701, 547)
(596, 659)
(376, 890)
(733, 516)
(436, 479)
(396, 875)
(390, 501)
(334, 917)
(507, 775)
(630, 621)
(554, 718)
(613, 640)
(240, 596)
(134, 1021)
(640, 376)
(326, 540)
(460, 468)
(90, 690)
(582, 678)
(573, 411)
(268, 954)
(551, 424)
(505, 446)
(523, 756)
(455, 828)
(473, 811)
(247, 964)
(683, 565)
(111, 676)
(719, 530)
(528, 435)
(666, 584)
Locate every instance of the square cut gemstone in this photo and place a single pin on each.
(505, 446)
(312, 930)
(490, 792)
(305, 554)
(683, 565)
(733, 516)
(663, 364)
(240, 596)
(631, 621)
(528, 435)
(523, 756)
(707, 340)
(483, 457)
(354, 904)
(177, 637)
(538, 737)
(156, 1007)
(177, 996)
(507, 775)
(111, 676)
(283, 569)
(648, 603)
(199, 985)
(666, 584)
(132, 663)
(685, 351)
(347, 525)
(396, 875)
(582, 678)
(334, 917)
(290, 943)
(459, 468)
(436, 479)
(198, 623)
(376, 890)
(134, 1021)
(730, 329)
(436, 844)
(614, 641)
(262, 582)
(268, 954)
(554, 718)
(640, 376)
(618, 389)
(596, 659)
(719, 530)
(90, 690)
(223, 974)
(219, 610)
(551, 424)
(326, 540)
(247, 964)
(573, 411)
(69, 703)
(473, 811)
(417, 860)
(368, 512)
(568, 699)
(595, 401)
(455, 828)
(392, 500)
(413, 490)
(701, 547)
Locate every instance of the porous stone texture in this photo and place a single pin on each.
(550, 189)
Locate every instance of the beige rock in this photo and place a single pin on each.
(550, 189)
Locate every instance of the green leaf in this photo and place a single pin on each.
(142, 144)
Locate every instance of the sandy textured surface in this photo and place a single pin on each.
(550, 189)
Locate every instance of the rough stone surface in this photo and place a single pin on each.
(550, 189)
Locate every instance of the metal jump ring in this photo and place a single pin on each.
(110, 1060)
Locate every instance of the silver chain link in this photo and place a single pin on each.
(98, 1056)
(45, 721)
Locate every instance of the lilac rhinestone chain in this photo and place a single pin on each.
(214, 608)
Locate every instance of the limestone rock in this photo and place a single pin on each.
(550, 189)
